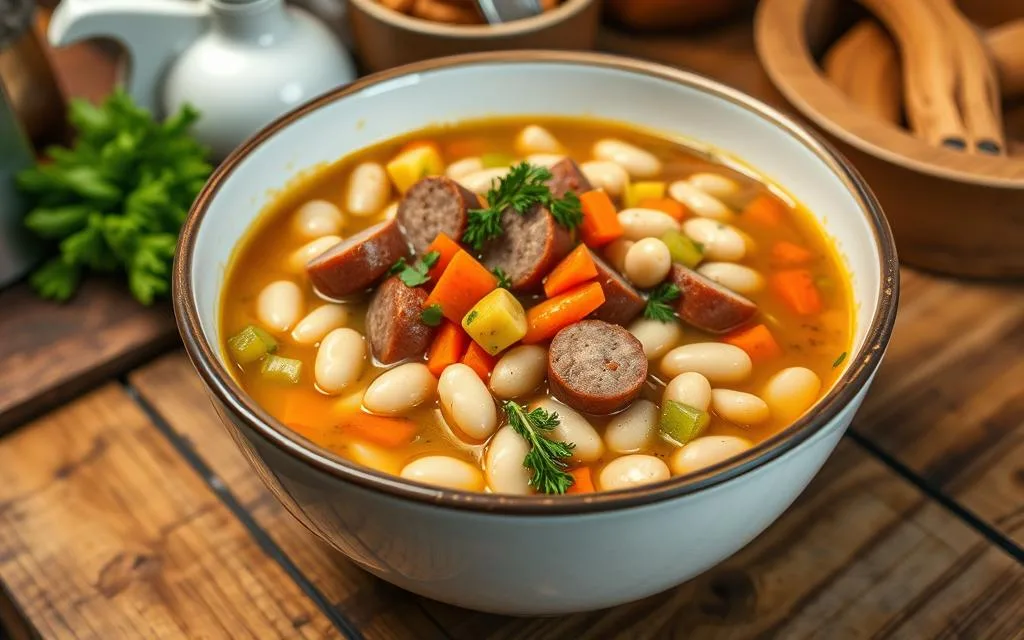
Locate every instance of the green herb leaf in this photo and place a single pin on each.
(397, 268)
(838, 361)
(657, 306)
(56, 279)
(432, 315)
(471, 317)
(524, 187)
(568, 211)
(502, 277)
(415, 274)
(546, 458)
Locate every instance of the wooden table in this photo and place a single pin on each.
(125, 511)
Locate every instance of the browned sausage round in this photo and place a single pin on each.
(393, 325)
(708, 305)
(622, 302)
(566, 176)
(358, 261)
(596, 367)
(531, 245)
(435, 205)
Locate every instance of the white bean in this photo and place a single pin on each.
(737, 277)
(296, 262)
(602, 174)
(632, 471)
(616, 252)
(714, 184)
(519, 371)
(636, 161)
(536, 139)
(444, 471)
(279, 305)
(462, 168)
(370, 455)
(721, 241)
(705, 451)
(390, 211)
(574, 428)
(339, 360)
(638, 223)
(700, 203)
(318, 218)
(629, 431)
(739, 407)
(690, 388)
(504, 463)
(480, 181)
(544, 159)
(647, 262)
(656, 337)
(791, 391)
(398, 390)
(319, 322)
(466, 401)
(368, 189)
(716, 361)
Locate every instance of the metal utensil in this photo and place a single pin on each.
(498, 11)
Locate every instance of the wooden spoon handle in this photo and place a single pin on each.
(1006, 43)
(864, 64)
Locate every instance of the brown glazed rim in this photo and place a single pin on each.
(562, 12)
(861, 365)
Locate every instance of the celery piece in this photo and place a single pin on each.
(681, 422)
(279, 369)
(493, 160)
(251, 344)
(682, 249)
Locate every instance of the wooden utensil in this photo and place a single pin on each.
(1006, 44)
(865, 64)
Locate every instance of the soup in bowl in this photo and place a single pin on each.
(497, 327)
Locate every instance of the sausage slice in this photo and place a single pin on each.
(531, 245)
(596, 367)
(358, 261)
(435, 205)
(566, 176)
(708, 305)
(622, 302)
(393, 325)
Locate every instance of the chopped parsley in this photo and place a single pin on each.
(415, 274)
(502, 277)
(432, 315)
(471, 317)
(658, 307)
(840, 360)
(546, 458)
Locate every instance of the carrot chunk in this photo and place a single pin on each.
(575, 268)
(479, 360)
(448, 347)
(677, 210)
(461, 286)
(600, 219)
(446, 249)
(549, 317)
(387, 432)
(583, 482)
(788, 254)
(757, 341)
(765, 210)
(796, 288)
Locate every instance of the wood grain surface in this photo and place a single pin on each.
(861, 554)
(106, 533)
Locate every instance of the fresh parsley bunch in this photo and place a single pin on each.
(117, 199)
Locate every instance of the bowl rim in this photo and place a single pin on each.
(565, 11)
(222, 385)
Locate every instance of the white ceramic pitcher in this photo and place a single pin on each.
(240, 62)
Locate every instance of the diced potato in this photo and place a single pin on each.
(637, 192)
(408, 167)
(496, 322)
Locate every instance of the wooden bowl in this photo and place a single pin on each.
(950, 212)
(386, 38)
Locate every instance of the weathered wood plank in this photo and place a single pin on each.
(105, 532)
(52, 352)
(171, 386)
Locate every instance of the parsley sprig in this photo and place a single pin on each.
(503, 280)
(432, 315)
(546, 458)
(524, 187)
(415, 274)
(658, 307)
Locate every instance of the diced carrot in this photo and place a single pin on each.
(796, 288)
(582, 481)
(788, 254)
(575, 268)
(464, 148)
(600, 219)
(479, 360)
(387, 432)
(446, 248)
(757, 341)
(549, 317)
(765, 210)
(448, 347)
(461, 286)
(675, 209)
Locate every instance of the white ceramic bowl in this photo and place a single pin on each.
(535, 555)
